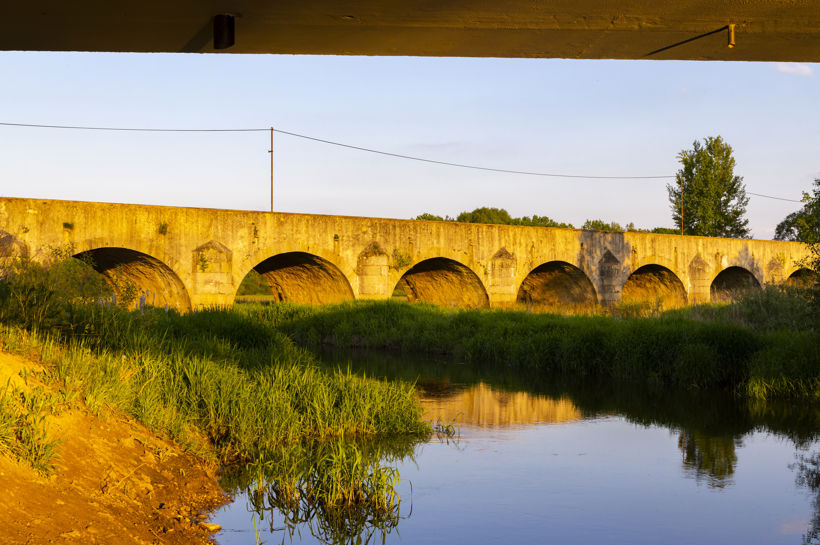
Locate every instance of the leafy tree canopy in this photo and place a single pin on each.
(803, 225)
(500, 216)
(714, 199)
(496, 216)
(432, 217)
(601, 225)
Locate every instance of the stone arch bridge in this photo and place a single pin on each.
(192, 257)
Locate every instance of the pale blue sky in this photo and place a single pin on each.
(567, 116)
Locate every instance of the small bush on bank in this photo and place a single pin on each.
(41, 295)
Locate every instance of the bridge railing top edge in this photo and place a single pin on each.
(445, 224)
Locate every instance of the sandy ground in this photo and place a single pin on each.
(114, 482)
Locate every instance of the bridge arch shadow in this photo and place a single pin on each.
(134, 274)
(299, 277)
(802, 278)
(654, 283)
(731, 283)
(442, 281)
(558, 286)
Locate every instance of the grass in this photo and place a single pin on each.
(765, 346)
(339, 489)
(243, 386)
(225, 386)
(24, 426)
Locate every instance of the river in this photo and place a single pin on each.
(537, 460)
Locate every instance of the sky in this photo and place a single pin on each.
(580, 117)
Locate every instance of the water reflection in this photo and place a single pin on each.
(347, 491)
(807, 470)
(710, 425)
(487, 407)
(709, 458)
(339, 491)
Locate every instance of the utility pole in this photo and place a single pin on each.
(680, 180)
(271, 169)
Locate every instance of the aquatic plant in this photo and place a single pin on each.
(342, 490)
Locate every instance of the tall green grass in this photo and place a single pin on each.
(245, 388)
(24, 427)
(763, 346)
(221, 383)
(342, 491)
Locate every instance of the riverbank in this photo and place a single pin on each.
(107, 479)
(765, 347)
(212, 389)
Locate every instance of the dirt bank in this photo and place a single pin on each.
(113, 481)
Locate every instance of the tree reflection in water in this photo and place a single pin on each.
(341, 491)
(807, 468)
(709, 458)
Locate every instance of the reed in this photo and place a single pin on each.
(765, 345)
(342, 490)
(214, 380)
(24, 426)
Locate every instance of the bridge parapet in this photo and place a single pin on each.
(193, 257)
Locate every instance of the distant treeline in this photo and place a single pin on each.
(500, 216)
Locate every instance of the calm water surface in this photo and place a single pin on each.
(535, 461)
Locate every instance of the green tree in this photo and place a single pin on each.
(427, 216)
(486, 215)
(803, 225)
(542, 221)
(714, 199)
(490, 215)
(664, 231)
(601, 225)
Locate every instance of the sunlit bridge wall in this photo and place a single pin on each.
(299, 277)
(654, 283)
(557, 285)
(189, 258)
(442, 282)
(138, 277)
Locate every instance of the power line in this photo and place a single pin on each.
(474, 167)
(340, 144)
(126, 129)
(775, 198)
(368, 150)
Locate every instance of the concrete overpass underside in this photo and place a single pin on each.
(765, 30)
(190, 258)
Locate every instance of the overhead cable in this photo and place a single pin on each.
(369, 150)
(340, 144)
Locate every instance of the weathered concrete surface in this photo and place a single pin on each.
(190, 257)
(766, 30)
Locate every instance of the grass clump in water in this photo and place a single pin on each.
(342, 491)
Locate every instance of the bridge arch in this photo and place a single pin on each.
(442, 281)
(802, 277)
(131, 273)
(653, 282)
(732, 282)
(557, 285)
(304, 277)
